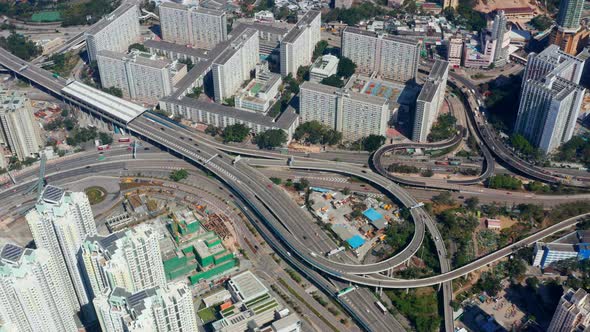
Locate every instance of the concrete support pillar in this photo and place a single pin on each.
(439, 287)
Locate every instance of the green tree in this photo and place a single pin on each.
(333, 80)
(319, 49)
(235, 133)
(105, 138)
(195, 92)
(373, 142)
(188, 62)
(532, 282)
(504, 181)
(443, 128)
(231, 101)
(346, 67)
(276, 181)
(212, 130)
(20, 46)
(471, 203)
(444, 198)
(113, 90)
(313, 132)
(137, 46)
(271, 138)
(541, 22)
(178, 175)
(303, 73)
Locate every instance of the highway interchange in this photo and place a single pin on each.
(283, 218)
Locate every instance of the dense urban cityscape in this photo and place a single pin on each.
(285, 166)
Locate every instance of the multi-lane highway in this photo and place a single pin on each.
(283, 218)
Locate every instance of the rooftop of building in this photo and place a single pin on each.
(298, 29)
(177, 48)
(197, 9)
(396, 93)
(52, 194)
(284, 121)
(284, 323)
(325, 64)
(564, 247)
(247, 286)
(116, 107)
(364, 97)
(141, 58)
(235, 45)
(108, 19)
(439, 69)
(11, 253)
(12, 100)
(372, 34)
(268, 28)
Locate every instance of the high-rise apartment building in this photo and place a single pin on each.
(455, 51)
(298, 45)
(59, 223)
(550, 98)
(18, 129)
(430, 100)
(235, 65)
(32, 292)
(115, 32)
(569, 15)
(169, 308)
(128, 259)
(391, 57)
(354, 114)
(140, 75)
(501, 39)
(572, 312)
(199, 27)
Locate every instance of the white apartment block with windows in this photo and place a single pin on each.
(430, 100)
(59, 223)
(232, 67)
(354, 114)
(168, 308)
(551, 98)
(18, 129)
(32, 292)
(572, 312)
(128, 259)
(390, 57)
(115, 32)
(455, 51)
(298, 45)
(141, 76)
(198, 27)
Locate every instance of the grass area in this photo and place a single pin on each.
(47, 16)
(207, 315)
(95, 194)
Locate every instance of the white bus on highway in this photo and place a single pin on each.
(381, 306)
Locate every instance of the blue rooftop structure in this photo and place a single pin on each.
(356, 241)
(372, 215)
(320, 190)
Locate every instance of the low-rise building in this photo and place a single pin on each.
(546, 253)
(260, 93)
(324, 67)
